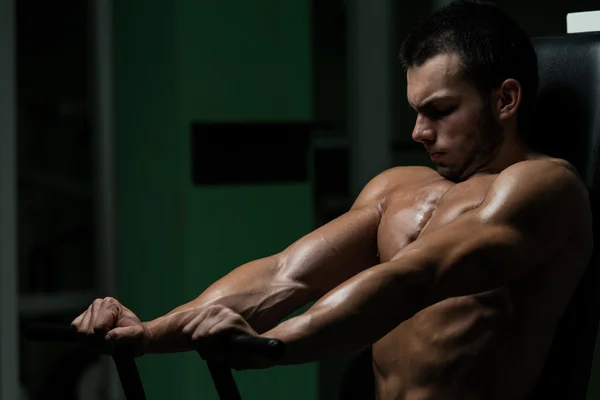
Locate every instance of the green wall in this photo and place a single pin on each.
(184, 61)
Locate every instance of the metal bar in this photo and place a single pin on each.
(123, 359)
(9, 358)
(223, 380)
(102, 82)
(101, 85)
(130, 377)
(43, 304)
(240, 343)
(435, 4)
(370, 84)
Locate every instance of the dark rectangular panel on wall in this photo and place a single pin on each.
(250, 152)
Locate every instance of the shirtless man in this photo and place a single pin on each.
(457, 277)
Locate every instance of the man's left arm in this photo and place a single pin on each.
(532, 210)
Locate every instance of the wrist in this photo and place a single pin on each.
(151, 336)
(294, 334)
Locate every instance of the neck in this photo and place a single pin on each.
(512, 151)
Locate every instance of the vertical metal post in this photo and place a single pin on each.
(103, 123)
(102, 85)
(9, 358)
(435, 4)
(370, 85)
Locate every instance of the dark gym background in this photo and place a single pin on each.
(129, 185)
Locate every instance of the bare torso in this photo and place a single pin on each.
(488, 346)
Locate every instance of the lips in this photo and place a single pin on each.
(435, 156)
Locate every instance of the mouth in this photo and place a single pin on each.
(435, 156)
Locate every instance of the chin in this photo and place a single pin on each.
(451, 173)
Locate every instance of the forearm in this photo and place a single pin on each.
(443, 264)
(357, 313)
(254, 290)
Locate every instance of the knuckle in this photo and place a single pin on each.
(110, 301)
(187, 330)
(231, 316)
(99, 324)
(214, 308)
(223, 312)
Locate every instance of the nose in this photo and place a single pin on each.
(423, 132)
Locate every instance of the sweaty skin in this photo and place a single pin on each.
(458, 303)
(456, 276)
(490, 344)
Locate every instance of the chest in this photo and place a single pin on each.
(409, 214)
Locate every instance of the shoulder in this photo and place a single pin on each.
(378, 187)
(538, 189)
(410, 175)
(540, 176)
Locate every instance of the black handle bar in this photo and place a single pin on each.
(125, 361)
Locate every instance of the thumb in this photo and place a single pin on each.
(129, 339)
(125, 333)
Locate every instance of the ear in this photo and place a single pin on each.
(508, 98)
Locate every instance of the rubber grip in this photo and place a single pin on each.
(44, 332)
(271, 348)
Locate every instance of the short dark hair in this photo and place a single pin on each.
(491, 45)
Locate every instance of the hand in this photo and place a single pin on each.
(207, 328)
(115, 322)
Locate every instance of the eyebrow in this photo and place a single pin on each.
(427, 102)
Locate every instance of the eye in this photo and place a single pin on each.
(439, 113)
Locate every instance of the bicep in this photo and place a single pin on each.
(334, 252)
(470, 256)
(346, 245)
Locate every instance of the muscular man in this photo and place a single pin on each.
(457, 277)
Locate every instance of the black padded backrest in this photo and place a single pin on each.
(567, 125)
(568, 115)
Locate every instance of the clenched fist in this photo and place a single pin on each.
(115, 322)
(207, 328)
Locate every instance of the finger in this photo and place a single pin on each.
(76, 323)
(203, 325)
(196, 330)
(212, 343)
(222, 327)
(81, 324)
(198, 323)
(213, 324)
(85, 323)
(228, 322)
(124, 334)
(106, 315)
(93, 313)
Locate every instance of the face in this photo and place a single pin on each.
(457, 128)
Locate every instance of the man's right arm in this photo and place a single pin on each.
(266, 290)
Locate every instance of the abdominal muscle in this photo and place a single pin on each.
(455, 349)
(487, 346)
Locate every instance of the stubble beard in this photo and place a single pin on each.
(488, 137)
